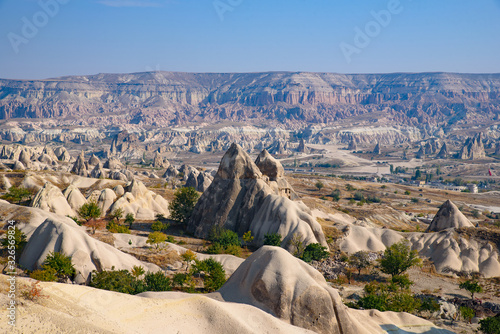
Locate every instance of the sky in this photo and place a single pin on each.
(51, 38)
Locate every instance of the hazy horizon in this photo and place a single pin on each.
(44, 39)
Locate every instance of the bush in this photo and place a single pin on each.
(158, 226)
(157, 282)
(335, 195)
(213, 273)
(183, 204)
(224, 237)
(215, 248)
(156, 238)
(247, 237)
(314, 252)
(407, 192)
(45, 275)
(117, 214)
(467, 313)
(398, 258)
(319, 185)
(358, 196)
(414, 200)
(115, 228)
(373, 199)
(272, 239)
(380, 297)
(233, 250)
(117, 280)
(490, 325)
(297, 244)
(184, 282)
(60, 263)
(16, 194)
(16, 239)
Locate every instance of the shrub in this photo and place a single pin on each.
(45, 275)
(183, 204)
(137, 271)
(358, 196)
(407, 192)
(314, 252)
(224, 237)
(16, 194)
(156, 238)
(414, 200)
(490, 325)
(403, 281)
(398, 258)
(233, 250)
(60, 263)
(373, 199)
(188, 256)
(467, 313)
(159, 226)
(272, 239)
(117, 280)
(115, 228)
(117, 214)
(213, 273)
(247, 237)
(215, 248)
(34, 292)
(335, 195)
(16, 239)
(157, 282)
(184, 282)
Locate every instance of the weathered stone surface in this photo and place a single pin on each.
(240, 199)
(473, 148)
(79, 167)
(269, 166)
(50, 198)
(448, 216)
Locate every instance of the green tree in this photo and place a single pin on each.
(183, 204)
(398, 258)
(223, 236)
(117, 214)
(129, 219)
(156, 238)
(90, 211)
(360, 260)
(314, 252)
(213, 274)
(472, 286)
(17, 194)
(297, 244)
(61, 264)
(16, 239)
(490, 325)
(272, 239)
(319, 185)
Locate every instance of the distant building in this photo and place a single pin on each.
(473, 188)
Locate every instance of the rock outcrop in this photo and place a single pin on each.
(50, 198)
(443, 152)
(87, 254)
(160, 162)
(80, 167)
(377, 149)
(93, 160)
(74, 197)
(352, 145)
(240, 199)
(473, 148)
(448, 216)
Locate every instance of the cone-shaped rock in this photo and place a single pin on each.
(79, 167)
(448, 216)
(352, 145)
(377, 150)
(443, 153)
(239, 199)
(94, 160)
(278, 283)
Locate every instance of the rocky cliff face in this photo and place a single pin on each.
(167, 98)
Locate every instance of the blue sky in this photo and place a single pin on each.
(118, 36)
